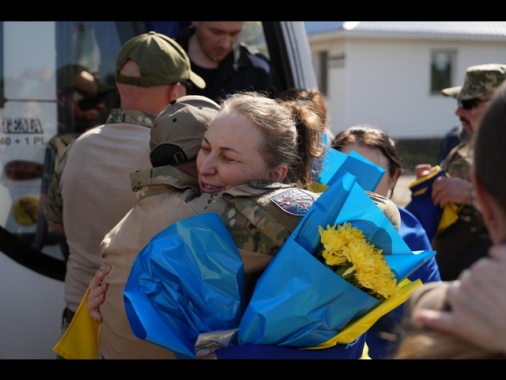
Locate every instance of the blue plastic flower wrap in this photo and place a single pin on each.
(335, 163)
(188, 280)
(298, 301)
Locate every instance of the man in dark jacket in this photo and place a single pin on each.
(226, 65)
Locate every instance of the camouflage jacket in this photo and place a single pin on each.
(259, 215)
(459, 160)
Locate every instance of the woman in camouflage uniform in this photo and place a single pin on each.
(254, 166)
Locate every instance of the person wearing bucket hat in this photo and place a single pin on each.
(89, 191)
(465, 241)
(166, 197)
(465, 318)
(478, 82)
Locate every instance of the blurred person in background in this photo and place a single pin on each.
(464, 318)
(226, 65)
(466, 240)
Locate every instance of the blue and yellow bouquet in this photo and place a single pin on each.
(300, 301)
(188, 282)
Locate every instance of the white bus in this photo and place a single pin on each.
(32, 258)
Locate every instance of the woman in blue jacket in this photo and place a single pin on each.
(377, 146)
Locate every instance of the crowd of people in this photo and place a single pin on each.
(200, 128)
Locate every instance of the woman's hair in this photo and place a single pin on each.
(291, 130)
(490, 148)
(314, 99)
(373, 137)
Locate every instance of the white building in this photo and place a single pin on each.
(391, 73)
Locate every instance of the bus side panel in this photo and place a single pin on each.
(28, 119)
(30, 314)
(31, 303)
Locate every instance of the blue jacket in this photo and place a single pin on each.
(382, 336)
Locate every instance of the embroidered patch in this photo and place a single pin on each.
(293, 201)
(264, 184)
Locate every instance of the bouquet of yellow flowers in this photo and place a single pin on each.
(329, 286)
(347, 252)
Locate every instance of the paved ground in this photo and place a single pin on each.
(402, 194)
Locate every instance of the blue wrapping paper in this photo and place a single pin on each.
(336, 163)
(187, 280)
(300, 302)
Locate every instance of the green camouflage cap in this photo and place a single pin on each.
(479, 80)
(161, 61)
(176, 135)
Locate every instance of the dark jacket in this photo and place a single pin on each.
(240, 70)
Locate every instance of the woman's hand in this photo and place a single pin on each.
(98, 289)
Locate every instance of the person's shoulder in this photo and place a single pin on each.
(388, 207)
(255, 57)
(271, 189)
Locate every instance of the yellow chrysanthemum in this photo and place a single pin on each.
(346, 249)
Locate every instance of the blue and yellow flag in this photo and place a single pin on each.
(433, 218)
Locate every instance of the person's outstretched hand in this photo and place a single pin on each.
(422, 170)
(478, 304)
(98, 289)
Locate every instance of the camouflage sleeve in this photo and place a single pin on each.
(53, 209)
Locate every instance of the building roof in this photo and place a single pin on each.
(443, 28)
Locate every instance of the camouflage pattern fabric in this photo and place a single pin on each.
(259, 215)
(254, 220)
(459, 161)
(479, 80)
(163, 179)
(53, 208)
(122, 115)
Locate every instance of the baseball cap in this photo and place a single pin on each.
(478, 81)
(161, 61)
(176, 135)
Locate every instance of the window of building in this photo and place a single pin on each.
(322, 71)
(441, 70)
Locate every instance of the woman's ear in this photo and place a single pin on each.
(279, 173)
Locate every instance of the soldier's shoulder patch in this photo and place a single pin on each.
(293, 201)
(264, 184)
